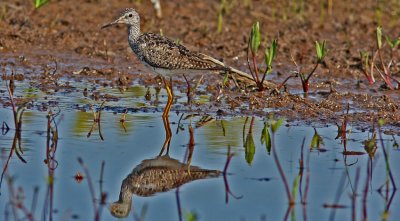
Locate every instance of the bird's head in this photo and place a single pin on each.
(120, 210)
(129, 17)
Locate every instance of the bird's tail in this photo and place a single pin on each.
(238, 73)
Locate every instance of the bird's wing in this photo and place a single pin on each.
(161, 52)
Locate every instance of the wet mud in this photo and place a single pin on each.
(60, 45)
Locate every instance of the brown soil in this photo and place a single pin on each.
(68, 32)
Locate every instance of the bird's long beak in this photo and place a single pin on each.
(119, 20)
(110, 24)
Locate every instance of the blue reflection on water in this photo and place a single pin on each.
(259, 184)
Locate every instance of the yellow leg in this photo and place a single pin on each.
(170, 98)
(167, 127)
(168, 135)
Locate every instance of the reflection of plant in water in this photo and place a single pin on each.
(395, 144)
(266, 137)
(291, 195)
(228, 191)
(344, 133)
(191, 216)
(4, 128)
(50, 160)
(17, 116)
(16, 201)
(370, 145)
(96, 120)
(385, 154)
(317, 141)
(123, 119)
(249, 145)
(97, 209)
(17, 197)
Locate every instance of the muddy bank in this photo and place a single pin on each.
(61, 43)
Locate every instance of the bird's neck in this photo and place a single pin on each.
(125, 195)
(133, 33)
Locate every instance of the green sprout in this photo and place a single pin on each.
(39, 3)
(379, 37)
(320, 48)
(367, 67)
(393, 43)
(220, 22)
(384, 69)
(255, 38)
(222, 10)
(269, 55)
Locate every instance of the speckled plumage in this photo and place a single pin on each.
(153, 176)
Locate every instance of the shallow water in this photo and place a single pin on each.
(257, 189)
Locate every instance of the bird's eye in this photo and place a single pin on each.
(130, 15)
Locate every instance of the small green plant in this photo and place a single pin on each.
(40, 3)
(386, 74)
(223, 8)
(269, 55)
(366, 67)
(384, 69)
(393, 43)
(320, 49)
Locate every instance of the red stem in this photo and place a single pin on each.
(255, 67)
(282, 174)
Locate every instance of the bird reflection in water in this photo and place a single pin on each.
(156, 175)
(160, 174)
